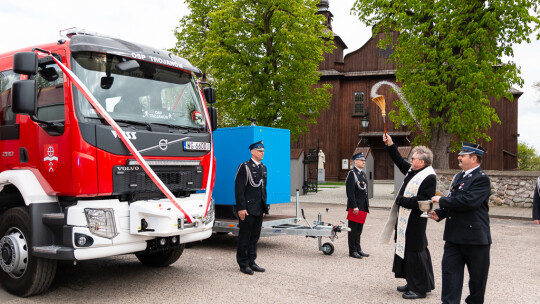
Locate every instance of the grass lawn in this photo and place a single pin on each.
(332, 185)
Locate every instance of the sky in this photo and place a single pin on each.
(31, 22)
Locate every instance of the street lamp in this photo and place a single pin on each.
(365, 121)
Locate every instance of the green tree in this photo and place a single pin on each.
(262, 57)
(528, 159)
(448, 58)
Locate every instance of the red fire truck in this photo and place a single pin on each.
(106, 150)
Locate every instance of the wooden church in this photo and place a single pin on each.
(353, 120)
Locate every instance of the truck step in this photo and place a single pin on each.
(53, 219)
(54, 252)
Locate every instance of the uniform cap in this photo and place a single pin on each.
(359, 155)
(470, 148)
(258, 146)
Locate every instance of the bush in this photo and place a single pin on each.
(528, 159)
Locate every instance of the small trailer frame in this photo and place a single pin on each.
(275, 225)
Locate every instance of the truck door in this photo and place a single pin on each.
(48, 143)
(9, 130)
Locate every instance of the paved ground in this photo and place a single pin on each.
(296, 271)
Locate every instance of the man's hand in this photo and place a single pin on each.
(242, 214)
(433, 215)
(387, 139)
(537, 222)
(355, 211)
(435, 199)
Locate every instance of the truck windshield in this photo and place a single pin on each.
(149, 94)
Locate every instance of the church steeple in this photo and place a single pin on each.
(324, 10)
(324, 3)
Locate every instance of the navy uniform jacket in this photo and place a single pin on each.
(536, 202)
(466, 209)
(357, 198)
(248, 197)
(416, 226)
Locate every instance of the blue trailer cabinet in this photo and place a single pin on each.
(231, 149)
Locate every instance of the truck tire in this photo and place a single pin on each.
(22, 273)
(161, 258)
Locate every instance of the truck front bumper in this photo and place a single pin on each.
(128, 227)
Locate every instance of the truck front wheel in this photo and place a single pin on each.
(22, 273)
(161, 258)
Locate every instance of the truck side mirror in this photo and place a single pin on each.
(212, 112)
(25, 63)
(24, 92)
(209, 95)
(49, 74)
(24, 97)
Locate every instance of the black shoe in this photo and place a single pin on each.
(246, 270)
(413, 295)
(355, 255)
(363, 253)
(256, 267)
(403, 288)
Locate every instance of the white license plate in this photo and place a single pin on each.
(196, 146)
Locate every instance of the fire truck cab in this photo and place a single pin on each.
(69, 187)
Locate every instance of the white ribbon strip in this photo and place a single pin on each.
(210, 179)
(97, 106)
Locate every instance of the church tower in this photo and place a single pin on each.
(323, 7)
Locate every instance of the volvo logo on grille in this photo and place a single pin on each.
(163, 144)
(130, 168)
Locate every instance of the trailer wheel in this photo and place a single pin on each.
(328, 248)
(161, 258)
(22, 273)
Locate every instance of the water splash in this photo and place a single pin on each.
(401, 98)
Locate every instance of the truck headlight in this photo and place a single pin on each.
(211, 215)
(101, 222)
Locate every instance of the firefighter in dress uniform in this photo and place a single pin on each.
(250, 193)
(466, 231)
(357, 200)
(536, 203)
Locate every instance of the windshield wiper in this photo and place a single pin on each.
(186, 128)
(149, 125)
(125, 121)
(134, 122)
(166, 125)
(97, 118)
(194, 129)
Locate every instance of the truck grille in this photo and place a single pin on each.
(133, 179)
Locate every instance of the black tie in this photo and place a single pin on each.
(460, 176)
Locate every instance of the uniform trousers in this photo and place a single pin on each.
(455, 257)
(248, 235)
(354, 236)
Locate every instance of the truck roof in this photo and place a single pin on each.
(109, 45)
